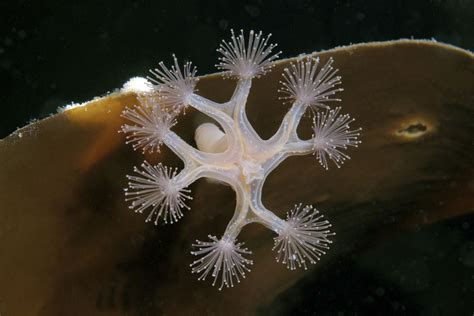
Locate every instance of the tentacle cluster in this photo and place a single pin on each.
(247, 59)
(304, 236)
(150, 126)
(304, 83)
(156, 188)
(236, 155)
(174, 85)
(221, 258)
(332, 134)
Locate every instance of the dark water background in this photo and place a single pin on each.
(56, 52)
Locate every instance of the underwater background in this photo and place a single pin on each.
(53, 53)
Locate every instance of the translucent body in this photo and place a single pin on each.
(233, 153)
